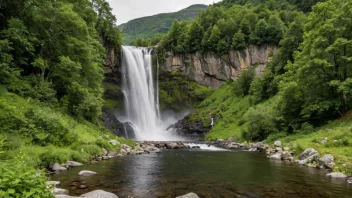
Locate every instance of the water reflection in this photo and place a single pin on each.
(209, 174)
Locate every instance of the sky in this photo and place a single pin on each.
(126, 10)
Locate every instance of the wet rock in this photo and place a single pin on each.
(172, 145)
(189, 195)
(286, 156)
(52, 183)
(86, 173)
(99, 194)
(195, 147)
(276, 156)
(58, 167)
(278, 149)
(190, 130)
(82, 186)
(123, 152)
(277, 143)
(73, 164)
(112, 154)
(59, 191)
(258, 145)
(327, 161)
(336, 175)
(253, 149)
(307, 155)
(233, 145)
(349, 180)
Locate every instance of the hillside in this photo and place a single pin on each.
(160, 23)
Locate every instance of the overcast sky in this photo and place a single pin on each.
(126, 10)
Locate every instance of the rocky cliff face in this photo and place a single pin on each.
(211, 70)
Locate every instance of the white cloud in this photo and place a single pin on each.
(126, 10)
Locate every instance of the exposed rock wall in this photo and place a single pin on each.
(211, 70)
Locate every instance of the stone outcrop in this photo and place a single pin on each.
(118, 128)
(212, 70)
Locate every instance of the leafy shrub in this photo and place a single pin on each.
(91, 149)
(244, 81)
(261, 122)
(52, 155)
(19, 180)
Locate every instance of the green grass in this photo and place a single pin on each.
(47, 135)
(222, 102)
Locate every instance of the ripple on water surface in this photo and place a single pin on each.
(209, 174)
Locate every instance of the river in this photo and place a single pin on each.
(210, 174)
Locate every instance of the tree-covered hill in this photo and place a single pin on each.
(148, 26)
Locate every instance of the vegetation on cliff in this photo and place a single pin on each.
(146, 27)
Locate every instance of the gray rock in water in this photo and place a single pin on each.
(59, 191)
(73, 164)
(327, 161)
(99, 194)
(86, 173)
(189, 195)
(286, 156)
(112, 154)
(278, 149)
(172, 145)
(52, 183)
(58, 167)
(277, 143)
(336, 175)
(123, 152)
(308, 154)
(258, 145)
(276, 156)
(349, 180)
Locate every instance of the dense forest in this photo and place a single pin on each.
(52, 56)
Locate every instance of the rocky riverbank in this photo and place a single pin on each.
(309, 157)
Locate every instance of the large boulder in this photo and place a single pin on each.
(327, 161)
(86, 173)
(189, 195)
(120, 129)
(336, 175)
(58, 167)
(172, 145)
(277, 143)
(99, 194)
(308, 154)
(190, 129)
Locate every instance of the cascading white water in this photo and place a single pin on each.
(141, 99)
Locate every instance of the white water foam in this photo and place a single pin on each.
(205, 147)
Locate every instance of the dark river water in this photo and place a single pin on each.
(209, 174)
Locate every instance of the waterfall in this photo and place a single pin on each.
(141, 94)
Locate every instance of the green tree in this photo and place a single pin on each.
(214, 37)
(238, 41)
(195, 37)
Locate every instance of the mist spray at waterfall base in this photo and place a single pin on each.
(141, 96)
